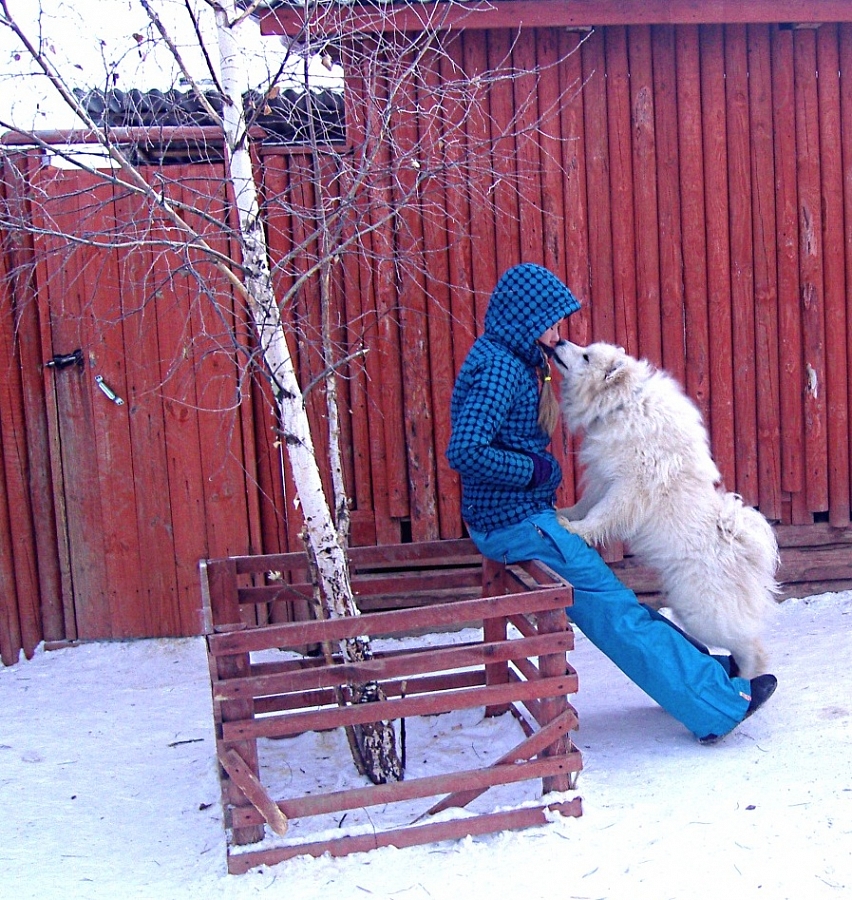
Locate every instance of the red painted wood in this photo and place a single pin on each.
(717, 222)
(374, 279)
(765, 255)
(407, 837)
(503, 125)
(789, 322)
(741, 262)
(64, 293)
(690, 140)
(552, 13)
(22, 266)
(452, 310)
(423, 295)
(129, 438)
(595, 124)
(668, 229)
(846, 158)
(834, 277)
(649, 325)
(528, 156)
(811, 257)
(483, 222)
(20, 613)
(621, 190)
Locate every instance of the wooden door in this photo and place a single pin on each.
(150, 444)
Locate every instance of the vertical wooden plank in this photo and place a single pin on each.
(13, 569)
(361, 307)
(742, 266)
(789, 320)
(221, 587)
(11, 639)
(176, 322)
(569, 75)
(306, 305)
(622, 189)
(834, 277)
(643, 102)
(811, 256)
(601, 300)
(574, 202)
(22, 442)
(501, 104)
(846, 158)
(445, 203)
(554, 95)
(692, 191)
(528, 160)
(551, 96)
(764, 230)
(217, 369)
(458, 320)
(483, 222)
(716, 208)
(670, 241)
(35, 400)
(383, 361)
(132, 482)
(419, 245)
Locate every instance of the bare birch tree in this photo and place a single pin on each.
(384, 183)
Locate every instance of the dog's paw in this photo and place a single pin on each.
(575, 527)
(569, 513)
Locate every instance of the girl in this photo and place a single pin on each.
(503, 412)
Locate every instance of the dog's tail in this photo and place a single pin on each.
(752, 536)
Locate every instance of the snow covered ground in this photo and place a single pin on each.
(108, 789)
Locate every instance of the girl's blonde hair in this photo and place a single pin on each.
(548, 403)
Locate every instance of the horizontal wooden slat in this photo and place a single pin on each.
(524, 817)
(434, 581)
(394, 667)
(409, 687)
(547, 14)
(417, 788)
(298, 634)
(440, 553)
(429, 705)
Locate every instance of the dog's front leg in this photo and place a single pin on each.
(579, 510)
(609, 519)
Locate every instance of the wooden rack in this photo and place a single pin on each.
(435, 587)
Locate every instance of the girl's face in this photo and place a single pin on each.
(550, 338)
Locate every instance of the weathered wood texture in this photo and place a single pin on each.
(689, 182)
(446, 585)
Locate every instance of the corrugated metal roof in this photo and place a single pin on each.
(286, 117)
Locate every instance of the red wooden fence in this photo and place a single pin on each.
(689, 182)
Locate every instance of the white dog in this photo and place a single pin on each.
(649, 479)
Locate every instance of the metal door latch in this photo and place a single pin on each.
(108, 391)
(63, 360)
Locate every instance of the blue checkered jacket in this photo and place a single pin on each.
(494, 409)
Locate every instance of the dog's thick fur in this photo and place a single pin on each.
(649, 479)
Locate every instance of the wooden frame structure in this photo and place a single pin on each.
(444, 585)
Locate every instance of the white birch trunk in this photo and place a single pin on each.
(376, 741)
(330, 555)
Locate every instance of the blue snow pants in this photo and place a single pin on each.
(690, 685)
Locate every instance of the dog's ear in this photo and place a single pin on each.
(616, 371)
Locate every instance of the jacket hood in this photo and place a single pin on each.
(527, 300)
